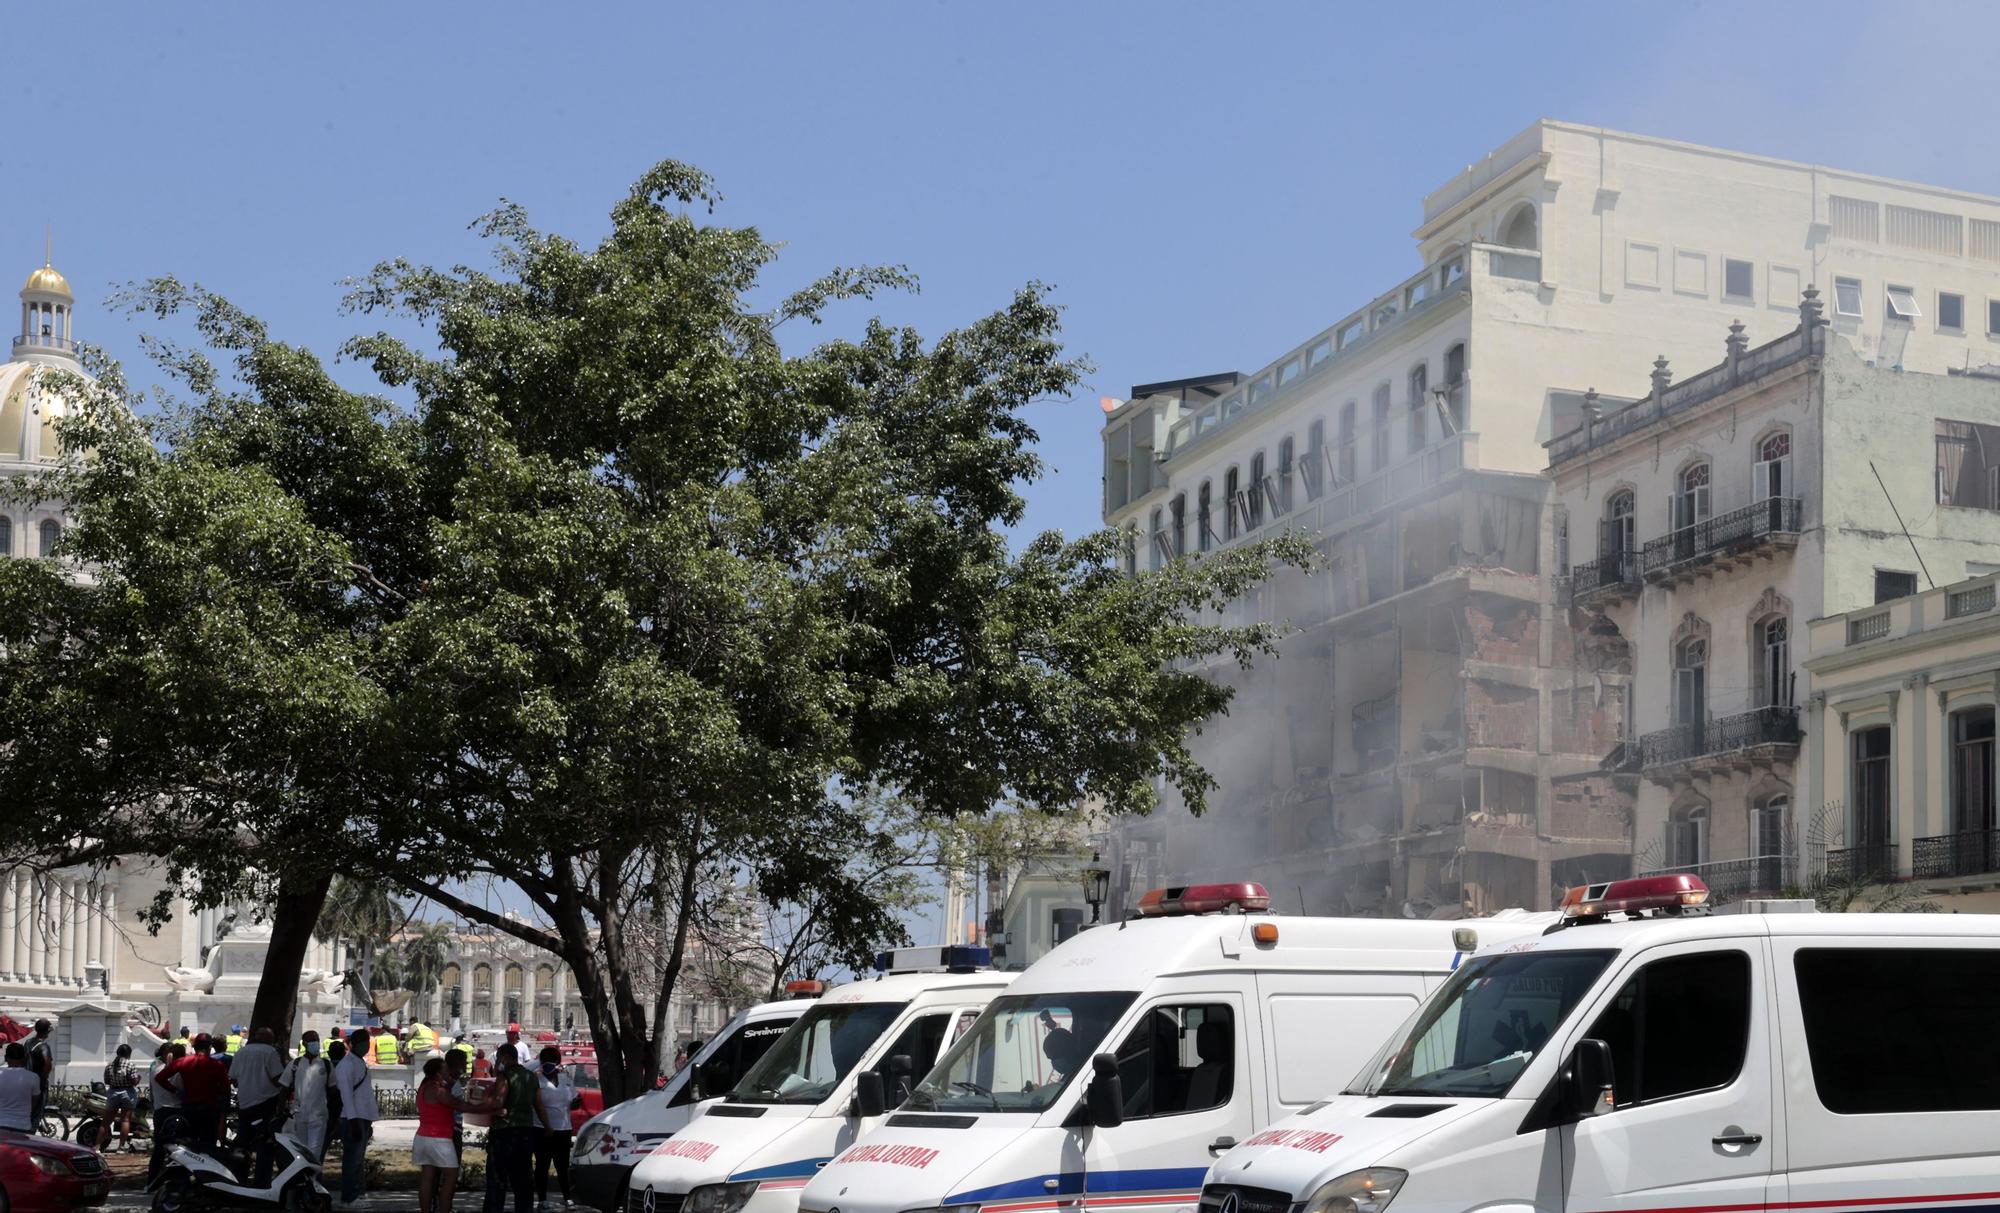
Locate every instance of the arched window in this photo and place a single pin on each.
(1687, 835)
(1312, 469)
(1204, 512)
(51, 535)
(1769, 825)
(1345, 459)
(1691, 499)
(1691, 682)
(1521, 229)
(1380, 452)
(1773, 637)
(1420, 376)
(1156, 537)
(1178, 508)
(1285, 450)
(1620, 538)
(1232, 492)
(6, 535)
(1253, 499)
(1771, 477)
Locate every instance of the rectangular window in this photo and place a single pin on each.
(1871, 797)
(1951, 310)
(1903, 304)
(1179, 1059)
(1847, 296)
(1738, 278)
(1993, 317)
(1679, 1026)
(1891, 584)
(1903, 1029)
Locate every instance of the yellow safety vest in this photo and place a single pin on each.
(465, 1049)
(422, 1039)
(232, 1043)
(385, 1050)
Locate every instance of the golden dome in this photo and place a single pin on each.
(47, 279)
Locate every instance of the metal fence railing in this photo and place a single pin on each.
(1711, 536)
(1873, 861)
(1966, 853)
(1759, 726)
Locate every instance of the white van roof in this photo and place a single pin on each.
(1126, 955)
(1648, 932)
(784, 1006)
(902, 987)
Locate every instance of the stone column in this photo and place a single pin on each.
(107, 949)
(64, 902)
(38, 929)
(8, 913)
(561, 999)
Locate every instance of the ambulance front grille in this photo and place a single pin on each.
(654, 1202)
(1248, 1200)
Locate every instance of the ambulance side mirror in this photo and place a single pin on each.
(869, 1099)
(1591, 1079)
(896, 1074)
(1104, 1099)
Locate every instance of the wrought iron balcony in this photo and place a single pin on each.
(1732, 740)
(1758, 876)
(1966, 853)
(1875, 862)
(1609, 578)
(1756, 528)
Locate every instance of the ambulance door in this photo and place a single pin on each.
(1186, 1068)
(1321, 1028)
(1693, 1122)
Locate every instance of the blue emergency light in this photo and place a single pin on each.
(951, 958)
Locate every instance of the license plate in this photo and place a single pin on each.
(95, 1191)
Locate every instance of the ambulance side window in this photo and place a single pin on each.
(1678, 1026)
(920, 1042)
(1179, 1059)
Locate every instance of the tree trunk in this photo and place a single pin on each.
(292, 919)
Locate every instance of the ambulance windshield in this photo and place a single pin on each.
(1474, 1036)
(1021, 1053)
(814, 1054)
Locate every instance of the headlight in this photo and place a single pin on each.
(1367, 1191)
(720, 1198)
(588, 1139)
(47, 1164)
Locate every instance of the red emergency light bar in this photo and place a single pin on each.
(805, 987)
(1242, 895)
(1667, 894)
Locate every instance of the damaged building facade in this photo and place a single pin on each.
(1445, 727)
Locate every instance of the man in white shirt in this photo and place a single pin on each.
(20, 1089)
(357, 1124)
(256, 1070)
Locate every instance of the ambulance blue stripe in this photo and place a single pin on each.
(1070, 1183)
(798, 1167)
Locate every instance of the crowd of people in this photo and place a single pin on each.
(326, 1093)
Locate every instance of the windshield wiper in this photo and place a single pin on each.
(968, 1085)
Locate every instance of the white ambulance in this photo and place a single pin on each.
(1115, 1070)
(822, 1085)
(1668, 1063)
(612, 1142)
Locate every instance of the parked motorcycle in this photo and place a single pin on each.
(95, 1102)
(207, 1177)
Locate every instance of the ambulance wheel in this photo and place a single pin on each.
(173, 1194)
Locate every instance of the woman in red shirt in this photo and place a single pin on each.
(432, 1149)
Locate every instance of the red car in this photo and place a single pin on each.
(48, 1175)
(589, 1092)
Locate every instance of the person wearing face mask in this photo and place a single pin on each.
(552, 1142)
(510, 1143)
(306, 1079)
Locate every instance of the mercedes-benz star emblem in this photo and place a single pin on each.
(649, 1202)
(1229, 1204)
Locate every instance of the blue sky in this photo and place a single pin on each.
(1204, 185)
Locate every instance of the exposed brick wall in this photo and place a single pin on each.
(1502, 716)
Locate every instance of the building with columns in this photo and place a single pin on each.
(75, 934)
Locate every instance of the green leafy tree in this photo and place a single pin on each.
(627, 595)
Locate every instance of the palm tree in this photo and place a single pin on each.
(420, 959)
(363, 913)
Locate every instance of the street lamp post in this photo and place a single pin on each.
(1096, 886)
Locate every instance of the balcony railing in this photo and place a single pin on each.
(1613, 573)
(1966, 853)
(1873, 862)
(1725, 532)
(1703, 738)
(39, 342)
(1759, 876)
